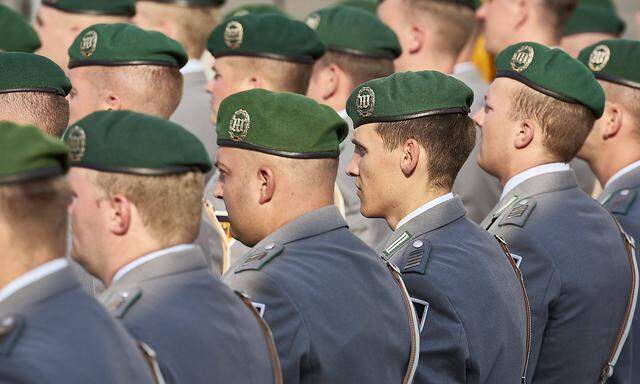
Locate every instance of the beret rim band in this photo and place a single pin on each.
(89, 12)
(123, 63)
(617, 80)
(40, 173)
(517, 77)
(140, 171)
(35, 89)
(274, 56)
(359, 53)
(186, 3)
(275, 152)
(413, 116)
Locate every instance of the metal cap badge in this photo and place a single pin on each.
(77, 141)
(239, 125)
(522, 58)
(89, 43)
(313, 21)
(599, 58)
(233, 34)
(366, 102)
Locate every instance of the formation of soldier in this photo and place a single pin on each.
(345, 200)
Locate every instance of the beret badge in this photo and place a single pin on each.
(89, 43)
(313, 21)
(366, 102)
(233, 34)
(599, 58)
(522, 58)
(77, 141)
(239, 125)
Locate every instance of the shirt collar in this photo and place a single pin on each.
(629, 168)
(192, 66)
(532, 172)
(32, 276)
(424, 208)
(463, 67)
(344, 115)
(148, 257)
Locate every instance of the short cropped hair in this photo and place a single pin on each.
(47, 111)
(454, 24)
(150, 89)
(448, 140)
(37, 211)
(359, 68)
(280, 75)
(565, 126)
(628, 97)
(559, 11)
(170, 206)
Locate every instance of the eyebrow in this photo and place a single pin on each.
(357, 143)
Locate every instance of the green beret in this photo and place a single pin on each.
(17, 34)
(94, 7)
(124, 44)
(271, 35)
(28, 154)
(407, 96)
(28, 72)
(134, 143)
(615, 61)
(191, 3)
(254, 9)
(595, 16)
(365, 5)
(351, 30)
(552, 72)
(280, 124)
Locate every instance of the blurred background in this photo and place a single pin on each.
(300, 8)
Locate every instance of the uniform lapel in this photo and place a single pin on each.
(628, 180)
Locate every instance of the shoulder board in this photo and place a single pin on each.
(11, 328)
(258, 258)
(120, 302)
(396, 245)
(518, 213)
(621, 201)
(416, 256)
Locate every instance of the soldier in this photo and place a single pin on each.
(137, 183)
(189, 22)
(58, 22)
(359, 48)
(612, 151)
(17, 34)
(538, 112)
(122, 67)
(335, 311)
(51, 331)
(433, 33)
(32, 91)
(408, 151)
(591, 22)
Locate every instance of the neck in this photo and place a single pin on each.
(540, 36)
(433, 62)
(14, 267)
(411, 203)
(516, 167)
(292, 210)
(123, 254)
(606, 165)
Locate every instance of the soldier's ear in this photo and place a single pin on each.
(523, 10)
(410, 157)
(120, 216)
(267, 180)
(331, 81)
(525, 133)
(417, 36)
(112, 102)
(612, 120)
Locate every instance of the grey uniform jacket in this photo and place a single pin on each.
(53, 332)
(469, 298)
(576, 272)
(332, 305)
(199, 329)
(620, 197)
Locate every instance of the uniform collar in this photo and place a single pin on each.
(310, 224)
(149, 257)
(424, 208)
(531, 173)
(37, 285)
(621, 178)
(192, 66)
(465, 67)
(344, 115)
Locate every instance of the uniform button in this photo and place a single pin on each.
(269, 246)
(625, 192)
(524, 202)
(418, 244)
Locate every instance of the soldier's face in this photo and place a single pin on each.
(573, 44)
(375, 169)
(496, 129)
(499, 19)
(55, 34)
(85, 97)
(229, 78)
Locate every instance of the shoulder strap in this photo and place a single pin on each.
(414, 356)
(271, 345)
(623, 332)
(505, 250)
(150, 358)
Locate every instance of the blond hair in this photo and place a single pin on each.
(47, 111)
(358, 68)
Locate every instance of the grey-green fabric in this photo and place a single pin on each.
(17, 34)
(134, 143)
(254, 9)
(354, 31)
(124, 44)
(406, 96)
(552, 72)
(365, 5)
(94, 7)
(282, 124)
(191, 3)
(268, 35)
(615, 61)
(26, 153)
(28, 72)
(599, 16)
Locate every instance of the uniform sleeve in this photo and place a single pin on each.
(542, 282)
(280, 312)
